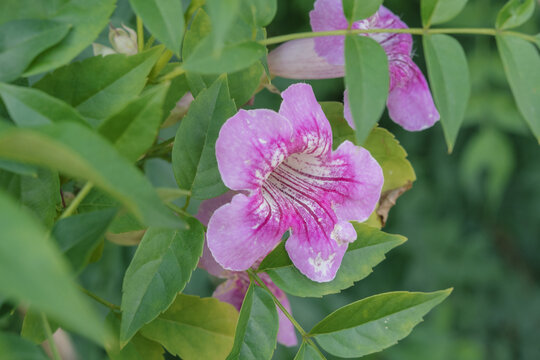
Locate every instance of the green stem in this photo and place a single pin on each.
(161, 63)
(177, 71)
(413, 31)
(188, 199)
(111, 306)
(140, 34)
(177, 209)
(50, 338)
(78, 199)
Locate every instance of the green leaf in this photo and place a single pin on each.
(515, 13)
(261, 12)
(164, 19)
(188, 327)
(139, 348)
(360, 9)
(375, 323)
(362, 255)
(440, 11)
(161, 268)
(28, 9)
(22, 40)
(194, 155)
(537, 37)
(18, 168)
(521, 63)
(307, 352)
(79, 152)
(222, 15)
(256, 332)
(367, 81)
(78, 236)
(87, 18)
(15, 347)
(341, 130)
(33, 270)
(178, 88)
(33, 327)
(32, 107)
(134, 129)
(120, 79)
(392, 158)
(449, 76)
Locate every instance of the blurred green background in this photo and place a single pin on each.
(472, 218)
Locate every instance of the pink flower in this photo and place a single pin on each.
(234, 289)
(293, 179)
(409, 103)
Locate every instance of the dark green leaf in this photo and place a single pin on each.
(160, 269)
(78, 236)
(164, 19)
(22, 40)
(134, 129)
(194, 155)
(375, 323)
(256, 332)
(522, 66)
(15, 347)
(367, 81)
(362, 255)
(537, 37)
(307, 352)
(32, 107)
(87, 18)
(341, 130)
(222, 15)
(79, 152)
(33, 327)
(139, 348)
(190, 324)
(28, 9)
(515, 13)
(360, 9)
(33, 270)
(449, 76)
(178, 88)
(261, 12)
(440, 11)
(120, 79)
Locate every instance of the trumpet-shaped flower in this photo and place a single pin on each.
(233, 289)
(409, 103)
(293, 180)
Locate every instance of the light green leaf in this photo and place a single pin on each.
(33, 326)
(367, 81)
(32, 107)
(256, 331)
(134, 128)
(194, 156)
(261, 12)
(222, 15)
(22, 40)
(18, 168)
(77, 151)
(362, 255)
(120, 79)
(307, 352)
(375, 323)
(87, 18)
(360, 9)
(15, 347)
(190, 324)
(139, 348)
(28, 9)
(522, 66)
(78, 236)
(25, 245)
(450, 81)
(515, 13)
(164, 19)
(440, 11)
(160, 269)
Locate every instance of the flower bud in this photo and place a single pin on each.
(124, 41)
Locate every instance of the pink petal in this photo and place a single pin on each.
(364, 192)
(312, 131)
(328, 15)
(208, 263)
(233, 291)
(297, 59)
(250, 145)
(241, 232)
(392, 43)
(207, 207)
(410, 103)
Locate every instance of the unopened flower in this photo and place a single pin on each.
(123, 41)
(409, 103)
(293, 179)
(234, 289)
